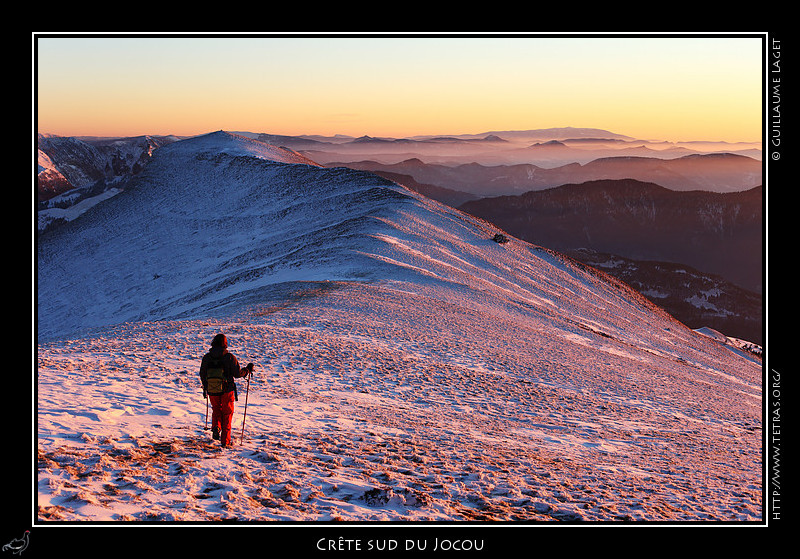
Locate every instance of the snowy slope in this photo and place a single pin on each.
(408, 367)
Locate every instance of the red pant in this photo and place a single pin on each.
(222, 415)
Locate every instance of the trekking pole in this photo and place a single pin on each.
(247, 393)
(206, 397)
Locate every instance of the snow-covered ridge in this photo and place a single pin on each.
(211, 219)
(216, 218)
(236, 144)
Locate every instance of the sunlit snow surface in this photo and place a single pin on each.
(408, 368)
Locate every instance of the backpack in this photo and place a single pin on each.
(215, 375)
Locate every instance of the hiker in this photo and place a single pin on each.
(217, 370)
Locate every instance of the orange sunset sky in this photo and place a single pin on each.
(660, 88)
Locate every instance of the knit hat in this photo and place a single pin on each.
(219, 340)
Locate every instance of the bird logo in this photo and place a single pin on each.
(18, 545)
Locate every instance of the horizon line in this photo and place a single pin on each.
(403, 137)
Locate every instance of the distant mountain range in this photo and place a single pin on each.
(635, 220)
(712, 172)
(714, 232)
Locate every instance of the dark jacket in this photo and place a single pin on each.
(230, 366)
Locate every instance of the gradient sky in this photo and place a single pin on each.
(676, 89)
